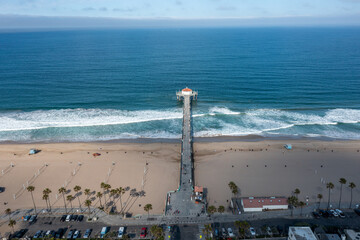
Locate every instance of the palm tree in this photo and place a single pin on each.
(207, 230)
(319, 196)
(301, 204)
(107, 188)
(342, 181)
(293, 201)
(99, 195)
(47, 192)
(102, 186)
(351, 186)
(242, 226)
(77, 189)
(121, 191)
(221, 209)
(46, 197)
(329, 186)
(69, 198)
(211, 209)
(157, 232)
(8, 212)
(147, 208)
(233, 187)
(87, 192)
(88, 204)
(62, 191)
(11, 224)
(31, 189)
(297, 192)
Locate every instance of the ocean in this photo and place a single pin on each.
(99, 85)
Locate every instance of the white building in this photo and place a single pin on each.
(301, 233)
(351, 234)
(258, 204)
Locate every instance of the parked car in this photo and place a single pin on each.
(80, 218)
(357, 211)
(74, 217)
(20, 233)
(121, 232)
(38, 234)
(340, 213)
(87, 233)
(59, 233)
(223, 232)
(68, 218)
(334, 213)
(143, 232)
(26, 218)
(252, 231)
(104, 231)
(2, 189)
(324, 213)
(76, 234)
(63, 218)
(316, 215)
(230, 232)
(268, 231)
(216, 232)
(70, 233)
(32, 219)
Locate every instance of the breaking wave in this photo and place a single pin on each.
(108, 124)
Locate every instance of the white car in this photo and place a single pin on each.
(121, 232)
(68, 218)
(230, 232)
(340, 213)
(252, 231)
(334, 213)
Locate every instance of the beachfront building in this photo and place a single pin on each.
(351, 234)
(259, 204)
(301, 233)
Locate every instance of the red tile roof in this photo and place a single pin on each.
(187, 90)
(199, 189)
(259, 202)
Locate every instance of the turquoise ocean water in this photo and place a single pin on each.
(91, 85)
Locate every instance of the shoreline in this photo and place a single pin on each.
(247, 138)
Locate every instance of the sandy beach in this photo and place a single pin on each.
(259, 168)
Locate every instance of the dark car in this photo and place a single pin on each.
(62, 219)
(323, 213)
(2, 189)
(32, 218)
(20, 233)
(80, 218)
(74, 217)
(70, 233)
(60, 232)
(316, 215)
(357, 211)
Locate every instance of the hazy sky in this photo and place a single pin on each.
(185, 9)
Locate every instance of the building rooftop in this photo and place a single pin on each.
(187, 90)
(259, 202)
(301, 233)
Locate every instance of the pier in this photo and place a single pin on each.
(184, 201)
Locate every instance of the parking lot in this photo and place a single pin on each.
(276, 227)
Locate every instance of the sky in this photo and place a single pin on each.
(14, 13)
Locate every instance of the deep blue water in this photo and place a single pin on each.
(88, 85)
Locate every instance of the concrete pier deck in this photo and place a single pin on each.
(180, 202)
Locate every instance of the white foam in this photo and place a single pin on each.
(16, 121)
(222, 110)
